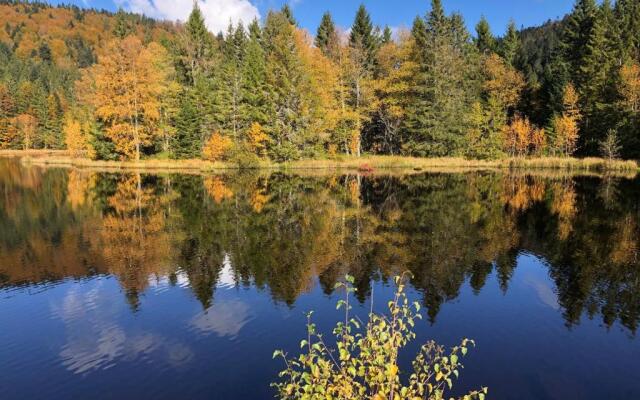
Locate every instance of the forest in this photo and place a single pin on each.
(120, 86)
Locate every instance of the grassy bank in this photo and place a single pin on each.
(364, 164)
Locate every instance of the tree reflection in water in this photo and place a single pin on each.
(282, 232)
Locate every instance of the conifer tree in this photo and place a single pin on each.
(387, 35)
(288, 14)
(255, 107)
(436, 123)
(123, 27)
(510, 43)
(485, 41)
(362, 37)
(284, 77)
(187, 141)
(327, 37)
(627, 17)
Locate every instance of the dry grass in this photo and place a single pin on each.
(363, 164)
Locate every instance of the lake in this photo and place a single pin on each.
(164, 286)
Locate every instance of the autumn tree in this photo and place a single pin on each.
(217, 147)
(75, 139)
(257, 139)
(566, 125)
(521, 137)
(129, 82)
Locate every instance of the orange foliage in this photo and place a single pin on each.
(257, 139)
(216, 147)
(128, 84)
(522, 137)
(217, 189)
(74, 138)
(503, 82)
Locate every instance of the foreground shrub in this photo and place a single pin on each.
(364, 364)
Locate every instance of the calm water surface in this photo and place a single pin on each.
(118, 286)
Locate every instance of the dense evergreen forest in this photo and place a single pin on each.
(123, 86)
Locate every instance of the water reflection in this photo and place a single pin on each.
(282, 232)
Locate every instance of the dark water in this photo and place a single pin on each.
(118, 286)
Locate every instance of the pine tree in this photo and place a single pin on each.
(327, 37)
(446, 86)
(288, 13)
(123, 26)
(228, 82)
(591, 57)
(197, 60)
(627, 17)
(387, 35)
(485, 41)
(187, 142)
(255, 107)
(510, 44)
(284, 77)
(362, 37)
(53, 123)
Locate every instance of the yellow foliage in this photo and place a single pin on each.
(521, 137)
(216, 147)
(566, 125)
(566, 129)
(630, 88)
(257, 139)
(127, 87)
(74, 137)
(258, 199)
(503, 82)
(217, 189)
(26, 125)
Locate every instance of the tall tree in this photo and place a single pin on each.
(510, 43)
(446, 86)
(288, 14)
(128, 84)
(255, 107)
(363, 38)
(485, 41)
(327, 36)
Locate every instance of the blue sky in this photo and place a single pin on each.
(395, 13)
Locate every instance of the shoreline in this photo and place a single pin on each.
(367, 164)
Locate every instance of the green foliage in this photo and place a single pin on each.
(187, 141)
(485, 41)
(365, 362)
(445, 88)
(327, 37)
(363, 37)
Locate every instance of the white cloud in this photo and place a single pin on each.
(217, 13)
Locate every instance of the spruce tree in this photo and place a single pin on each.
(485, 41)
(510, 44)
(387, 35)
(362, 36)
(187, 142)
(229, 82)
(255, 94)
(288, 13)
(123, 27)
(327, 36)
(284, 79)
(627, 17)
(445, 91)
